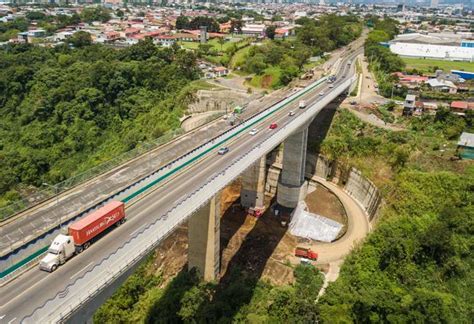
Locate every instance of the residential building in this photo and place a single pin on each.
(442, 86)
(409, 105)
(466, 146)
(460, 107)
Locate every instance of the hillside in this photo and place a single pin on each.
(65, 110)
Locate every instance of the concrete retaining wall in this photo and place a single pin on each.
(364, 191)
(351, 179)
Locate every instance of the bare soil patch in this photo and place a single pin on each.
(260, 247)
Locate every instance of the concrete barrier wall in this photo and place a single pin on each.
(351, 179)
(364, 191)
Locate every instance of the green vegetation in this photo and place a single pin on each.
(10, 30)
(51, 23)
(183, 22)
(417, 265)
(242, 298)
(218, 50)
(359, 72)
(428, 66)
(382, 62)
(65, 110)
(275, 63)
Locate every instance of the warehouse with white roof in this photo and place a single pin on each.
(442, 46)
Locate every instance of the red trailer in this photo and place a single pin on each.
(95, 223)
(306, 253)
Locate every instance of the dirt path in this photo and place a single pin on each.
(373, 120)
(357, 227)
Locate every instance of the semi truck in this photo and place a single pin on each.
(81, 234)
(306, 253)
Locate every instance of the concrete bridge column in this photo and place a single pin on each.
(292, 186)
(204, 239)
(252, 193)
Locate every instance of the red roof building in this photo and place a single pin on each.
(460, 107)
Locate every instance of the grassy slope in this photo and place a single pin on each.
(427, 65)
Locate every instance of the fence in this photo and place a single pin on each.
(151, 180)
(90, 283)
(56, 189)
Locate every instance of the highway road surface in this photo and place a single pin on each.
(20, 297)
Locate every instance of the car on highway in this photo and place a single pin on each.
(331, 86)
(223, 150)
(321, 93)
(302, 104)
(291, 113)
(273, 125)
(253, 131)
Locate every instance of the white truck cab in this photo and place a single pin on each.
(60, 250)
(302, 104)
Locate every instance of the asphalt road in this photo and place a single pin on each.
(32, 223)
(21, 296)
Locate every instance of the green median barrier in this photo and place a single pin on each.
(171, 172)
(20, 264)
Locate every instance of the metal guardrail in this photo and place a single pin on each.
(25, 203)
(192, 156)
(116, 263)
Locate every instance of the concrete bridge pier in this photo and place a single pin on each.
(252, 193)
(204, 239)
(292, 186)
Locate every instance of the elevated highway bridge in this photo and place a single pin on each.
(186, 191)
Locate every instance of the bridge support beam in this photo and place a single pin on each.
(252, 193)
(204, 239)
(292, 186)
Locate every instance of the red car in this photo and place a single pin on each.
(273, 125)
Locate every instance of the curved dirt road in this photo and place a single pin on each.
(357, 227)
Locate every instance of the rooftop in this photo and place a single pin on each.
(466, 139)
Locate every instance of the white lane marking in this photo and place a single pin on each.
(80, 270)
(135, 231)
(10, 322)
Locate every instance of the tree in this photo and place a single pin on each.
(95, 14)
(256, 64)
(182, 22)
(221, 41)
(119, 13)
(236, 26)
(209, 22)
(35, 15)
(270, 31)
(80, 39)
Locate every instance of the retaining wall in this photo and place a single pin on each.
(351, 179)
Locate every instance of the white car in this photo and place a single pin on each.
(291, 113)
(253, 131)
(321, 93)
(331, 86)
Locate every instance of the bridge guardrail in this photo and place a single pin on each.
(112, 266)
(192, 156)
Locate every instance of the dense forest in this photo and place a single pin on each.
(63, 110)
(417, 266)
(243, 298)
